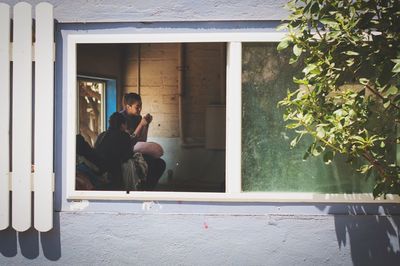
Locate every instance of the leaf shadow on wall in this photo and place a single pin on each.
(372, 232)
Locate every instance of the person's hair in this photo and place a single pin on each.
(116, 120)
(131, 98)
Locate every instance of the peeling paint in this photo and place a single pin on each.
(79, 205)
(151, 205)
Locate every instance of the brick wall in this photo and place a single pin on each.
(159, 84)
(204, 85)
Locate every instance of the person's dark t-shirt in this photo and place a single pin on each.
(133, 121)
(115, 147)
(84, 149)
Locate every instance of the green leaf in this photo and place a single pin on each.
(386, 104)
(294, 142)
(316, 71)
(358, 138)
(365, 168)
(309, 68)
(317, 151)
(320, 132)
(351, 53)
(364, 81)
(293, 125)
(283, 44)
(382, 144)
(297, 50)
(392, 90)
(300, 81)
(350, 62)
(293, 60)
(329, 22)
(396, 68)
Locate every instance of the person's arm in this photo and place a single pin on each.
(133, 129)
(143, 127)
(140, 128)
(143, 136)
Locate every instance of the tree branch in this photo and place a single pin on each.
(380, 96)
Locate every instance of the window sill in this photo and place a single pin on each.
(292, 197)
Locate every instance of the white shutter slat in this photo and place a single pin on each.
(4, 115)
(44, 72)
(22, 117)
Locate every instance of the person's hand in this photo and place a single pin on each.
(148, 118)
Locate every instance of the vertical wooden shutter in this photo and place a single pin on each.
(4, 115)
(44, 84)
(21, 117)
(22, 179)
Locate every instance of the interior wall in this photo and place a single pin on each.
(203, 83)
(158, 85)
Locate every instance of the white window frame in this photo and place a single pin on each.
(233, 124)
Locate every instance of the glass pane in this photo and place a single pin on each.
(268, 163)
(166, 117)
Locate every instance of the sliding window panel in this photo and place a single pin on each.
(268, 162)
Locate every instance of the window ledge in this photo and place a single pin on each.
(232, 197)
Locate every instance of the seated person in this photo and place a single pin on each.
(89, 171)
(114, 148)
(137, 127)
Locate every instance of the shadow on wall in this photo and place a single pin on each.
(31, 241)
(372, 231)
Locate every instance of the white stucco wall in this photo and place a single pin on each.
(205, 239)
(171, 10)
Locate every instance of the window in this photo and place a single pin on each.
(268, 162)
(182, 86)
(246, 167)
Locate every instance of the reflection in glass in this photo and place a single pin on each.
(91, 109)
(268, 162)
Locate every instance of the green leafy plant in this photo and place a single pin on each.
(348, 97)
